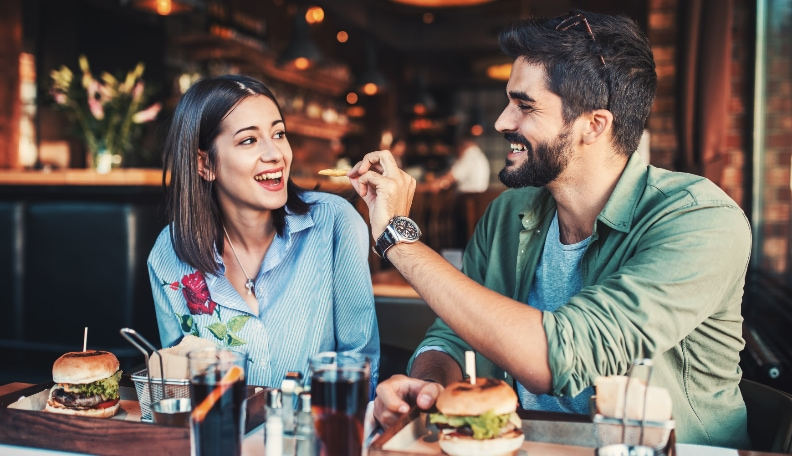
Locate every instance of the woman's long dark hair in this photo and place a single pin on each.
(192, 208)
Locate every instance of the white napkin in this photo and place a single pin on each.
(686, 449)
(371, 429)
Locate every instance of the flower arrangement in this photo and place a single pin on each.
(106, 112)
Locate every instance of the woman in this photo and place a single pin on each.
(249, 260)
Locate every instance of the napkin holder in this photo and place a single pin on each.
(636, 437)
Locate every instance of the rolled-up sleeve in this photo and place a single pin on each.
(688, 266)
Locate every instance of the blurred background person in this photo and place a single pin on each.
(469, 172)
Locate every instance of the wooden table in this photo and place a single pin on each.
(20, 387)
(11, 387)
(389, 283)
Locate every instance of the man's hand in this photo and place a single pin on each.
(397, 394)
(387, 190)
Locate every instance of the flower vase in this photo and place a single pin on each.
(102, 160)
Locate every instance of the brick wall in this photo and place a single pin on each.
(10, 48)
(775, 253)
(662, 32)
(778, 147)
(738, 138)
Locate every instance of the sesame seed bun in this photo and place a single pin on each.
(464, 399)
(84, 367)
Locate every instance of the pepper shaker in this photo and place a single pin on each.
(305, 432)
(273, 427)
(291, 386)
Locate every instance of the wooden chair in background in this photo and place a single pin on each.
(769, 417)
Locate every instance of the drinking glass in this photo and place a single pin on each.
(339, 395)
(218, 395)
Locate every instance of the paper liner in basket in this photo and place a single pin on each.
(174, 359)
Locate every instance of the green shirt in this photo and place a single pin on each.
(663, 279)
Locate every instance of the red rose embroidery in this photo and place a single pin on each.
(197, 294)
(174, 286)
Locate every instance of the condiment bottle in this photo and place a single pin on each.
(291, 386)
(305, 433)
(273, 427)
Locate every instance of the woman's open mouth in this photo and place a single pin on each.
(273, 179)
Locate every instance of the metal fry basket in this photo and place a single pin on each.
(622, 436)
(151, 390)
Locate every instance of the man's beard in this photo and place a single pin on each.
(542, 164)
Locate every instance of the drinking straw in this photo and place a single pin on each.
(200, 412)
(85, 338)
(470, 366)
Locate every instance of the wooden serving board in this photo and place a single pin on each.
(121, 435)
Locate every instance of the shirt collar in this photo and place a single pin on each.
(619, 211)
(534, 214)
(280, 244)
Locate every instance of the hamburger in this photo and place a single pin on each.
(86, 384)
(478, 420)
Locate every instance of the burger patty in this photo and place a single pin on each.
(76, 400)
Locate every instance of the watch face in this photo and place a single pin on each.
(406, 228)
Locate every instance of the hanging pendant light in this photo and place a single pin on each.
(441, 3)
(371, 82)
(424, 102)
(301, 52)
(167, 7)
(476, 127)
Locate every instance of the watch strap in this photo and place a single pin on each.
(385, 241)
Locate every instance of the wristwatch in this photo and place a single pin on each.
(399, 230)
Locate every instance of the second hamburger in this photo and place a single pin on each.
(478, 419)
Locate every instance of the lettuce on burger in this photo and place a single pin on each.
(478, 420)
(86, 384)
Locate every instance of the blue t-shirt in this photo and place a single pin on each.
(556, 280)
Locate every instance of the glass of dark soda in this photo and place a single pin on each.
(218, 395)
(339, 395)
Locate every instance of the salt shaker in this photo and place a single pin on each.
(291, 386)
(305, 432)
(273, 427)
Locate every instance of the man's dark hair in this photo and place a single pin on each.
(192, 208)
(625, 85)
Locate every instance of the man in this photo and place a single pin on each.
(616, 260)
(470, 171)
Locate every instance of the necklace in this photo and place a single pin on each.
(249, 283)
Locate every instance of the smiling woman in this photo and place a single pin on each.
(249, 259)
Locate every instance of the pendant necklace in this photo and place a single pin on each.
(249, 283)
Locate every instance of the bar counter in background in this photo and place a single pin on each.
(73, 250)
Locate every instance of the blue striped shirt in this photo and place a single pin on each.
(313, 288)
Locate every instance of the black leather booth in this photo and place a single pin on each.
(71, 257)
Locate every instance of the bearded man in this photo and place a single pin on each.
(591, 260)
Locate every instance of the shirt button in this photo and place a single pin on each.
(538, 231)
(522, 250)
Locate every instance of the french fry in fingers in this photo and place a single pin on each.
(334, 172)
